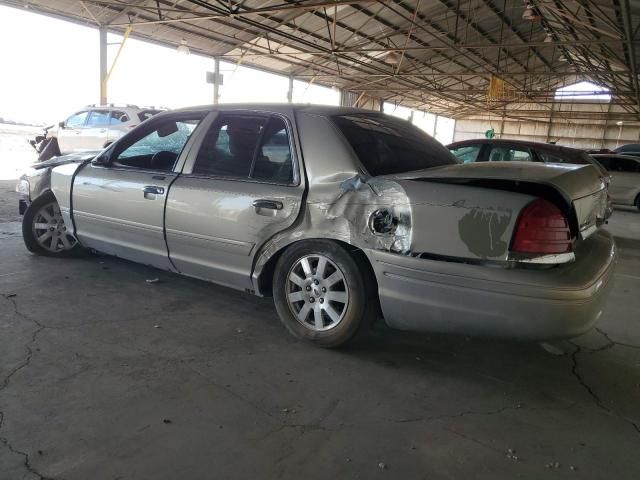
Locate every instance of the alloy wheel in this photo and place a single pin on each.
(317, 292)
(50, 231)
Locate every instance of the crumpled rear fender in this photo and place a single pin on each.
(438, 220)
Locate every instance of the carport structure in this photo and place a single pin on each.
(452, 57)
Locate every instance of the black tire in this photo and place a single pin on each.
(49, 150)
(357, 314)
(29, 230)
(638, 202)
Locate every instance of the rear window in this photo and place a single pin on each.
(387, 146)
(146, 114)
(577, 158)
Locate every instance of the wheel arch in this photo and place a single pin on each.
(263, 278)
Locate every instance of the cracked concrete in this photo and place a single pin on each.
(104, 376)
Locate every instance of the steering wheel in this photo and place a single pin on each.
(163, 160)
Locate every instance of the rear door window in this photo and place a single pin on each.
(273, 161)
(387, 146)
(507, 153)
(98, 118)
(244, 146)
(229, 146)
(467, 153)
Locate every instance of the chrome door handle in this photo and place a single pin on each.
(153, 189)
(270, 204)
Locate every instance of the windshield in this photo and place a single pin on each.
(386, 145)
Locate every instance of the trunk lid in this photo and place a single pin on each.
(470, 212)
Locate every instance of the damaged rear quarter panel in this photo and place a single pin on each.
(433, 218)
(462, 221)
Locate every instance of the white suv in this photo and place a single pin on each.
(95, 127)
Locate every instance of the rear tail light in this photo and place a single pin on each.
(542, 229)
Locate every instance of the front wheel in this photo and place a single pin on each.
(321, 293)
(44, 231)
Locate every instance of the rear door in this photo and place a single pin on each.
(69, 135)
(118, 208)
(240, 186)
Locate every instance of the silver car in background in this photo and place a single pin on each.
(340, 214)
(624, 170)
(93, 127)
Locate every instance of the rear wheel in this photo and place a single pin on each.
(321, 293)
(44, 231)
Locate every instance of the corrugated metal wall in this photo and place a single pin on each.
(559, 126)
(353, 99)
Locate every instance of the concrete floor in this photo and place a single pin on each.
(105, 376)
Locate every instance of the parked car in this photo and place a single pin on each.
(339, 214)
(499, 150)
(624, 187)
(632, 149)
(494, 150)
(91, 128)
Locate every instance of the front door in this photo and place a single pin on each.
(70, 133)
(240, 186)
(118, 208)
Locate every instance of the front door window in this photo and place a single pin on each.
(158, 146)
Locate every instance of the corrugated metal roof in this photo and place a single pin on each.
(429, 54)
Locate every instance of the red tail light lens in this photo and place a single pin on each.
(542, 229)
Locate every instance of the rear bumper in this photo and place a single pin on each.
(439, 296)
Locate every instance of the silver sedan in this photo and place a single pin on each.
(341, 215)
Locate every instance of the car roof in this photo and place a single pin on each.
(323, 110)
(121, 107)
(522, 143)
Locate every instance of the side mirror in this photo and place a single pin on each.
(101, 160)
(61, 124)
